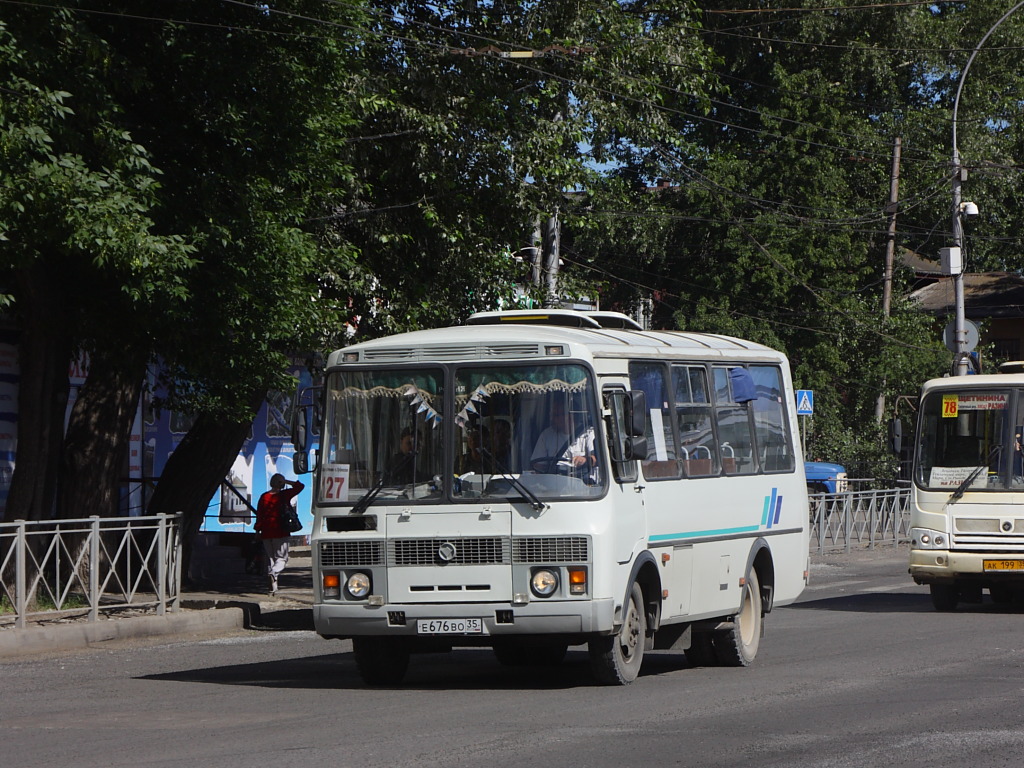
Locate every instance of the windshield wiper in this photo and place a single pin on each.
(962, 488)
(526, 493)
(367, 498)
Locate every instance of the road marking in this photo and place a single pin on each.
(893, 588)
(833, 584)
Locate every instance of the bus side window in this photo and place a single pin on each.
(693, 418)
(734, 427)
(770, 426)
(651, 379)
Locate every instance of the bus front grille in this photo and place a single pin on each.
(553, 549)
(341, 554)
(988, 534)
(490, 550)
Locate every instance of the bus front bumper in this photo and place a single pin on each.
(932, 566)
(535, 618)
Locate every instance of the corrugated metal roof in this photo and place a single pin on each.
(990, 294)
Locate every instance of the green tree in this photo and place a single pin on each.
(77, 240)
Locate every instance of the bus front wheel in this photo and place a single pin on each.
(737, 647)
(944, 596)
(616, 659)
(381, 660)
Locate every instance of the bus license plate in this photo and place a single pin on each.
(450, 626)
(1003, 565)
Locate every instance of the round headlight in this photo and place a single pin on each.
(358, 585)
(544, 583)
(925, 538)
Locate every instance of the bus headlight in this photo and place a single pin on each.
(922, 538)
(544, 582)
(358, 585)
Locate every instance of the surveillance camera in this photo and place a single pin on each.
(970, 210)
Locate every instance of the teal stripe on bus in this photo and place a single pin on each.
(714, 532)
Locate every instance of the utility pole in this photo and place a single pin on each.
(890, 252)
(538, 253)
(552, 253)
(952, 256)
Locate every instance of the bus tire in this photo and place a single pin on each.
(737, 647)
(616, 659)
(381, 660)
(944, 596)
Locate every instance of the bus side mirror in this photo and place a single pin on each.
(300, 462)
(896, 436)
(635, 448)
(299, 429)
(636, 415)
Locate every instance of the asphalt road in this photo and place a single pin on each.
(861, 672)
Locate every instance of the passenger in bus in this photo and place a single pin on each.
(401, 465)
(558, 451)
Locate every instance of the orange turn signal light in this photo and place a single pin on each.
(332, 580)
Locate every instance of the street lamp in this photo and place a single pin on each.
(952, 256)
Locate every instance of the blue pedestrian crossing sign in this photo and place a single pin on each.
(805, 402)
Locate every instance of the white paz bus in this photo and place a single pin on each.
(967, 510)
(537, 480)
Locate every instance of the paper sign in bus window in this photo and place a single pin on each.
(334, 482)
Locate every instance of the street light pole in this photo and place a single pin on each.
(958, 230)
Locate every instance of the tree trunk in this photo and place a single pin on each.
(44, 355)
(196, 469)
(97, 439)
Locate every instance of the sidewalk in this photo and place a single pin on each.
(222, 600)
(290, 608)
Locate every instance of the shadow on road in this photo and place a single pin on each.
(467, 669)
(898, 602)
(871, 602)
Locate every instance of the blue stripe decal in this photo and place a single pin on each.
(770, 514)
(694, 534)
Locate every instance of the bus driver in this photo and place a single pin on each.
(558, 451)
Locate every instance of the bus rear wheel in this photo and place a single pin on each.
(944, 596)
(737, 647)
(616, 659)
(381, 660)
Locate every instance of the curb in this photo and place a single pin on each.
(79, 635)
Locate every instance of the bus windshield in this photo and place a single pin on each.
(383, 435)
(536, 424)
(528, 431)
(970, 440)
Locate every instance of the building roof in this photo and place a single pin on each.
(989, 294)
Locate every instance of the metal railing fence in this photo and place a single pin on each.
(89, 566)
(863, 517)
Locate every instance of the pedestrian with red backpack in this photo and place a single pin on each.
(271, 527)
